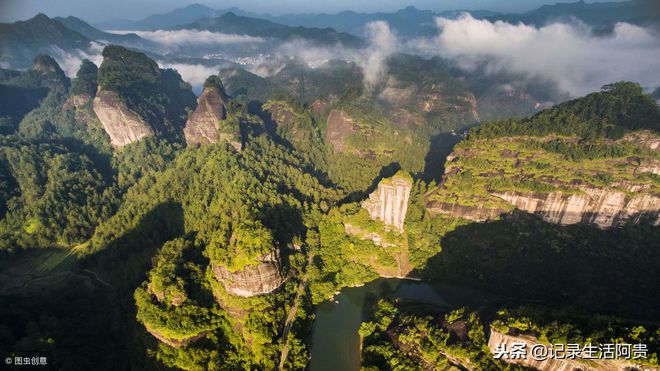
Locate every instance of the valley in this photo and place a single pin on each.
(356, 210)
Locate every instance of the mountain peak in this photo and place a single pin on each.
(46, 64)
(197, 6)
(40, 17)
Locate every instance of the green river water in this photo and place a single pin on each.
(335, 339)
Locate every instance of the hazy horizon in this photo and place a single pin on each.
(95, 11)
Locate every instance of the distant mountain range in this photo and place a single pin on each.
(176, 17)
(641, 12)
(83, 28)
(21, 41)
(411, 22)
(231, 23)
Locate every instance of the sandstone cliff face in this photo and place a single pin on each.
(477, 213)
(497, 339)
(122, 125)
(254, 280)
(389, 203)
(175, 343)
(287, 123)
(339, 126)
(649, 166)
(644, 138)
(202, 125)
(604, 208)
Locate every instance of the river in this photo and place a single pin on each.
(335, 339)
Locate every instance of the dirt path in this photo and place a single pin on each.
(291, 316)
(97, 278)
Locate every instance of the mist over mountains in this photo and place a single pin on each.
(579, 46)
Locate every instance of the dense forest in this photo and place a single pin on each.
(136, 257)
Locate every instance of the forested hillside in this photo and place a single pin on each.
(125, 247)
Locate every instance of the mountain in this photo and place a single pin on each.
(568, 164)
(137, 99)
(407, 22)
(231, 23)
(593, 14)
(21, 41)
(21, 92)
(176, 17)
(217, 251)
(83, 28)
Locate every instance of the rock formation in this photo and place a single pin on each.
(122, 125)
(650, 166)
(498, 339)
(339, 126)
(389, 203)
(604, 208)
(477, 213)
(644, 138)
(287, 121)
(259, 279)
(202, 125)
(175, 343)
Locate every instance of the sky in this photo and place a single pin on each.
(103, 10)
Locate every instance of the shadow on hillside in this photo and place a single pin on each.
(441, 146)
(93, 326)
(527, 260)
(126, 258)
(385, 172)
(101, 161)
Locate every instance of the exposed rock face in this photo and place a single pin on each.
(175, 343)
(122, 125)
(79, 101)
(319, 106)
(254, 280)
(644, 138)
(286, 121)
(340, 124)
(651, 166)
(202, 125)
(389, 203)
(477, 213)
(78, 104)
(604, 208)
(498, 339)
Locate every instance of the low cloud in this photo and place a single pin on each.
(181, 38)
(194, 74)
(566, 53)
(70, 61)
(382, 43)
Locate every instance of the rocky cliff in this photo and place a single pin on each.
(122, 124)
(175, 343)
(339, 126)
(553, 178)
(203, 124)
(258, 279)
(478, 213)
(498, 339)
(389, 203)
(604, 208)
